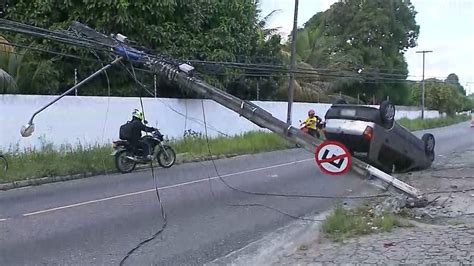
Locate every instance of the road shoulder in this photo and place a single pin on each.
(442, 232)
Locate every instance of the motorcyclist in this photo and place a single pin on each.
(312, 122)
(132, 132)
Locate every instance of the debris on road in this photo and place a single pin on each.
(437, 231)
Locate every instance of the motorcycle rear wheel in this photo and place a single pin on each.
(122, 163)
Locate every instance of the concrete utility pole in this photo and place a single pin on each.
(154, 84)
(75, 79)
(293, 64)
(423, 84)
(258, 89)
(181, 75)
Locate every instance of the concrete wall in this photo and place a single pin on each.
(91, 120)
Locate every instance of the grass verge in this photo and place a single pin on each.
(418, 124)
(68, 160)
(343, 223)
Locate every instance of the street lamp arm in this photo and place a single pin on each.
(28, 129)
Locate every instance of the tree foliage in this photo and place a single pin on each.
(442, 95)
(454, 80)
(19, 73)
(365, 42)
(211, 30)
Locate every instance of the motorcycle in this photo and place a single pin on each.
(126, 160)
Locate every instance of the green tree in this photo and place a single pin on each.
(21, 73)
(442, 96)
(216, 30)
(454, 80)
(8, 62)
(363, 43)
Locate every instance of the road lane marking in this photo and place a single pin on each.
(162, 188)
(3, 220)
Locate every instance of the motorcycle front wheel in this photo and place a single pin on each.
(124, 164)
(166, 156)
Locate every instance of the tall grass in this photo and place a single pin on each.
(96, 159)
(247, 143)
(343, 223)
(65, 161)
(419, 124)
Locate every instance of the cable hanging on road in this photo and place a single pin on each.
(275, 194)
(184, 76)
(155, 183)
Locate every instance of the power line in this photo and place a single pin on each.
(301, 72)
(45, 51)
(284, 68)
(274, 194)
(65, 36)
(162, 209)
(259, 66)
(303, 75)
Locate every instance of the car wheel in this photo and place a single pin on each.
(429, 141)
(431, 156)
(387, 114)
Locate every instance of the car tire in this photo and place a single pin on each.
(431, 156)
(387, 114)
(429, 143)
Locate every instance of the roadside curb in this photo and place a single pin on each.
(139, 168)
(42, 180)
(284, 240)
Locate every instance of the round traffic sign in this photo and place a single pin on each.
(333, 158)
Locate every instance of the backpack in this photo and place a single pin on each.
(125, 132)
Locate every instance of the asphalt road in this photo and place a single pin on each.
(98, 220)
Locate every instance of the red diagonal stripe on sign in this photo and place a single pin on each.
(328, 160)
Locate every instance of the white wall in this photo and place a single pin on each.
(91, 120)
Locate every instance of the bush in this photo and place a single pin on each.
(419, 124)
(342, 223)
(96, 159)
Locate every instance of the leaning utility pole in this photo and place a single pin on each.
(423, 84)
(292, 64)
(182, 74)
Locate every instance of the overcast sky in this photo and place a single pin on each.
(446, 27)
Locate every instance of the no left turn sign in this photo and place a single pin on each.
(333, 158)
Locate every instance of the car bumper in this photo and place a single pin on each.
(348, 127)
(350, 133)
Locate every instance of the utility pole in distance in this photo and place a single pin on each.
(75, 80)
(423, 84)
(293, 64)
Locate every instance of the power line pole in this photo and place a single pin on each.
(423, 84)
(258, 89)
(293, 64)
(75, 80)
(154, 84)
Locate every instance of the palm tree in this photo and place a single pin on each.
(20, 75)
(262, 23)
(9, 67)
